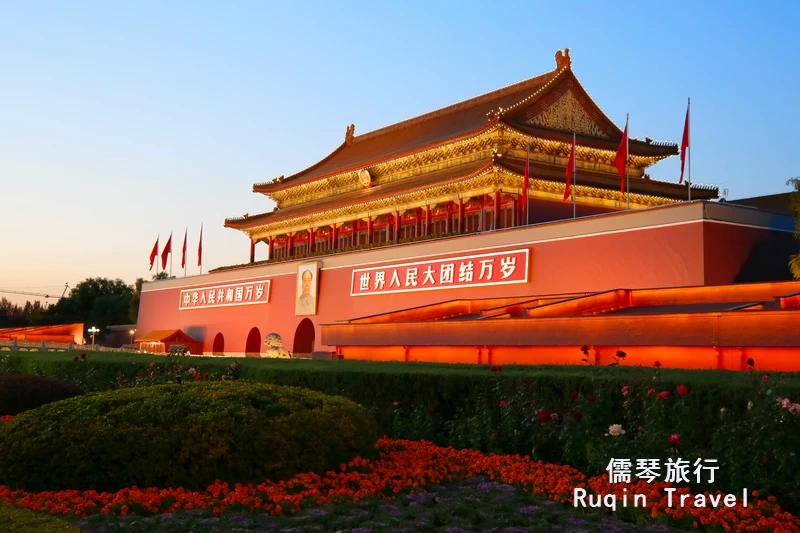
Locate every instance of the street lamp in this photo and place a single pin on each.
(132, 332)
(93, 330)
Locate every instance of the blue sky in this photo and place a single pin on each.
(123, 121)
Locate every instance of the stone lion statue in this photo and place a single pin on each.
(275, 348)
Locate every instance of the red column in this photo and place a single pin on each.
(482, 217)
(417, 219)
(497, 210)
(514, 218)
(369, 230)
(397, 226)
(310, 241)
(461, 215)
(428, 220)
(355, 232)
(271, 246)
(335, 237)
(290, 244)
(252, 251)
(448, 226)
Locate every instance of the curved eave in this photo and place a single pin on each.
(425, 182)
(657, 151)
(275, 187)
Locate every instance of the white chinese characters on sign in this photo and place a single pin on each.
(677, 470)
(247, 293)
(497, 268)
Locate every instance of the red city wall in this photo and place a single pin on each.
(659, 250)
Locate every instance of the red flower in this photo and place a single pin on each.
(766, 377)
(83, 356)
(577, 415)
(657, 364)
(75, 359)
(573, 396)
(544, 416)
(650, 391)
(205, 375)
(592, 399)
(664, 395)
(755, 494)
(397, 403)
(674, 439)
(502, 403)
(640, 429)
(683, 390)
(625, 390)
(493, 436)
(431, 411)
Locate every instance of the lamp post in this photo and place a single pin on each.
(94, 331)
(132, 332)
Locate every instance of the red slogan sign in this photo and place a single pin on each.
(249, 293)
(498, 268)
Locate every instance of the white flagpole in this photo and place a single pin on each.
(170, 254)
(157, 257)
(689, 148)
(185, 249)
(627, 158)
(574, 176)
(201, 248)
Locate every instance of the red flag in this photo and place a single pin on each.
(525, 181)
(200, 248)
(685, 141)
(154, 254)
(621, 160)
(183, 255)
(166, 252)
(570, 169)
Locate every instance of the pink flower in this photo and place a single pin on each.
(674, 439)
(625, 390)
(224, 378)
(397, 403)
(794, 408)
(553, 416)
(766, 377)
(785, 403)
(152, 364)
(664, 395)
(651, 391)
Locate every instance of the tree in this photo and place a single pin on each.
(794, 207)
(98, 302)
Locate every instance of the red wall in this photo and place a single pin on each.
(642, 258)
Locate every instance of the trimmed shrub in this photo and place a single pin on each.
(19, 520)
(20, 392)
(182, 436)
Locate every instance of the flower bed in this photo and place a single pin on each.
(403, 467)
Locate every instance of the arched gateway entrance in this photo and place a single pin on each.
(304, 339)
(253, 346)
(219, 345)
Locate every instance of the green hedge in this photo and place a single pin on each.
(20, 392)
(19, 520)
(185, 435)
(459, 405)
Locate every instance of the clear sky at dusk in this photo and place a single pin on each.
(123, 121)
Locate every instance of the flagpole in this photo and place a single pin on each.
(170, 254)
(627, 159)
(157, 258)
(689, 155)
(574, 175)
(200, 257)
(183, 251)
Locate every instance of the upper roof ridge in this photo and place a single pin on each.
(536, 81)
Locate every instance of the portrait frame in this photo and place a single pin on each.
(307, 304)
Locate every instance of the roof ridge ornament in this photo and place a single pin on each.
(563, 60)
(349, 134)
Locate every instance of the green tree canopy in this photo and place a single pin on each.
(99, 302)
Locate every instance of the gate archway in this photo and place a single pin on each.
(304, 339)
(219, 345)
(253, 346)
